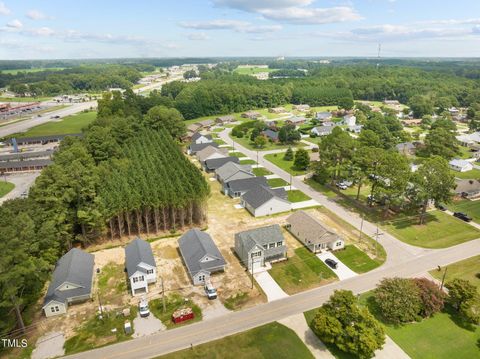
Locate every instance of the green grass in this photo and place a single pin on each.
(297, 196)
(468, 269)
(245, 142)
(251, 70)
(301, 272)
(357, 260)
(219, 129)
(5, 187)
(24, 99)
(68, 125)
(112, 283)
(219, 141)
(172, 303)
(439, 231)
(472, 208)
(321, 188)
(473, 174)
(30, 70)
(277, 159)
(237, 154)
(277, 182)
(98, 332)
(236, 301)
(270, 341)
(261, 171)
(248, 162)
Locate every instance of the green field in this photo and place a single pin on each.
(277, 159)
(251, 70)
(296, 195)
(270, 341)
(473, 174)
(16, 71)
(245, 142)
(5, 187)
(237, 154)
(277, 182)
(68, 125)
(248, 162)
(357, 260)
(301, 272)
(439, 231)
(321, 188)
(468, 269)
(261, 171)
(472, 208)
(24, 99)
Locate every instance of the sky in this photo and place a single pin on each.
(55, 29)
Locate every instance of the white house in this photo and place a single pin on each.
(211, 152)
(198, 138)
(141, 266)
(460, 165)
(322, 130)
(349, 120)
(264, 201)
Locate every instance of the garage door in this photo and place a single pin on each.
(257, 264)
(140, 290)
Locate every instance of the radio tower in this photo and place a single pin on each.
(378, 54)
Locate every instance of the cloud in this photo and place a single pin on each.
(41, 31)
(224, 24)
(37, 15)
(472, 21)
(255, 5)
(4, 10)
(198, 36)
(15, 24)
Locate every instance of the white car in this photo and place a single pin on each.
(210, 291)
(143, 308)
(341, 185)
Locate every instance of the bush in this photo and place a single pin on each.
(432, 297)
(288, 155)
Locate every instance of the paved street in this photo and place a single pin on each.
(22, 181)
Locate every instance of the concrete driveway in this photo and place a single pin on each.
(49, 345)
(269, 286)
(342, 271)
(147, 326)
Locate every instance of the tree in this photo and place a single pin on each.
(288, 154)
(190, 74)
(460, 291)
(260, 141)
(254, 134)
(341, 321)
(302, 159)
(168, 118)
(336, 151)
(470, 310)
(364, 163)
(288, 134)
(474, 122)
(398, 300)
(441, 142)
(369, 138)
(420, 105)
(432, 297)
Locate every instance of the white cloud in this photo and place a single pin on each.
(472, 21)
(4, 10)
(15, 24)
(224, 24)
(255, 5)
(41, 31)
(36, 15)
(198, 36)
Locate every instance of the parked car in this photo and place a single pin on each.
(331, 263)
(441, 207)
(462, 216)
(210, 291)
(143, 308)
(341, 185)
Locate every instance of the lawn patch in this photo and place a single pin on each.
(248, 162)
(5, 187)
(237, 154)
(270, 341)
(439, 231)
(172, 303)
(261, 171)
(112, 283)
(68, 125)
(277, 182)
(321, 188)
(297, 196)
(472, 208)
(219, 141)
(277, 159)
(301, 272)
(468, 269)
(236, 301)
(357, 260)
(472, 174)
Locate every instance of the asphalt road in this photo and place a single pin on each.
(24, 125)
(22, 181)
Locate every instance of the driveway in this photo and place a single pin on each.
(22, 182)
(49, 345)
(214, 309)
(146, 326)
(269, 286)
(342, 271)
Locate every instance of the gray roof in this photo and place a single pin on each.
(405, 146)
(262, 194)
(24, 155)
(210, 150)
(231, 168)
(270, 134)
(227, 118)
(75, 267)
(197, 147)
(324, 129)
(25, 164)
(246, 184)
(467, 186)
(49, 138)
(214, 163)
(197, 135)
(194, 246)
(261, 236)
(311, 229)
(296, 119)
(136, 252)
(323, 115)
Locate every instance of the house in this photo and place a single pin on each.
(212, 164)
(194, 127)
(277, 110)
(200, 255)
(454, 111)
(322, 130)
(259, 246)
(253, 115)
(264, 201)
(24, 166)
(271, 135)
(301, 108)
(238, 187)
(412, 122)
(231, 171)
(211, 152)
(391, 102)
(296, 120)
(140, 265)
(355, 128)
(460, 165)
(198, 138)
(469, 139)
(205, 124)
(467, 188)
(222, 120)
(194, 147)
(349, 120)
(406, 148)
(312, 233)
(71, 282)
(323, 116)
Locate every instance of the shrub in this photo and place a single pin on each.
(432, 297)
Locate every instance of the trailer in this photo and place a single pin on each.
(182, 315)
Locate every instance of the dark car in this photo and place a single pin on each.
(331, 263)
(462, 216)
(441, 207)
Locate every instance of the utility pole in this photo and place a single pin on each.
(377, 234)
(100, 305)
(443, 278)
(163, 296)
(361, 228)
(290, 181)
(19, 314)
(257, 158)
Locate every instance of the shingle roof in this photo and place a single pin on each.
(227, 118)
(311, 228)
(262, 194)
(459, 163)
(75, 267)
(208, 151)
(23, 140)
(194, 246)
(231, 168)
(197, 147)
(405, 146)
(214, 163)
(324, 129)
(322, 115)
(197, 135)
(136, 252)
(271, 134)
(261, 236)
(467, 186)
(23, 155)
(24, 164)
(246, 184)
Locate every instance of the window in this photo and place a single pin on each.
(138, 279)
(201, 278)
(265, 246)
(271, 245)
(52, 309)
(339, 244)
(150, 271)
(279, 244)
(256, 254)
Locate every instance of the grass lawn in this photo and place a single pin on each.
(277, 182)
(252, 70)
(440, 230)
(473, 174)
(219, 141)
(261, 171)
(472, 208)
(5, 187)
(218, 129)
(98, 332)
(172, 303)
(270, 341)
(301, 272)
(248, 162)
(69, 124)
(468, 269)
(245, 142)
(297, 196)
(112, 283)
(30, 70)
(24, 99)
(357, 260)
(237, 154)
(351, 192)
(321, 188)
(277, 159)
(236, 300)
